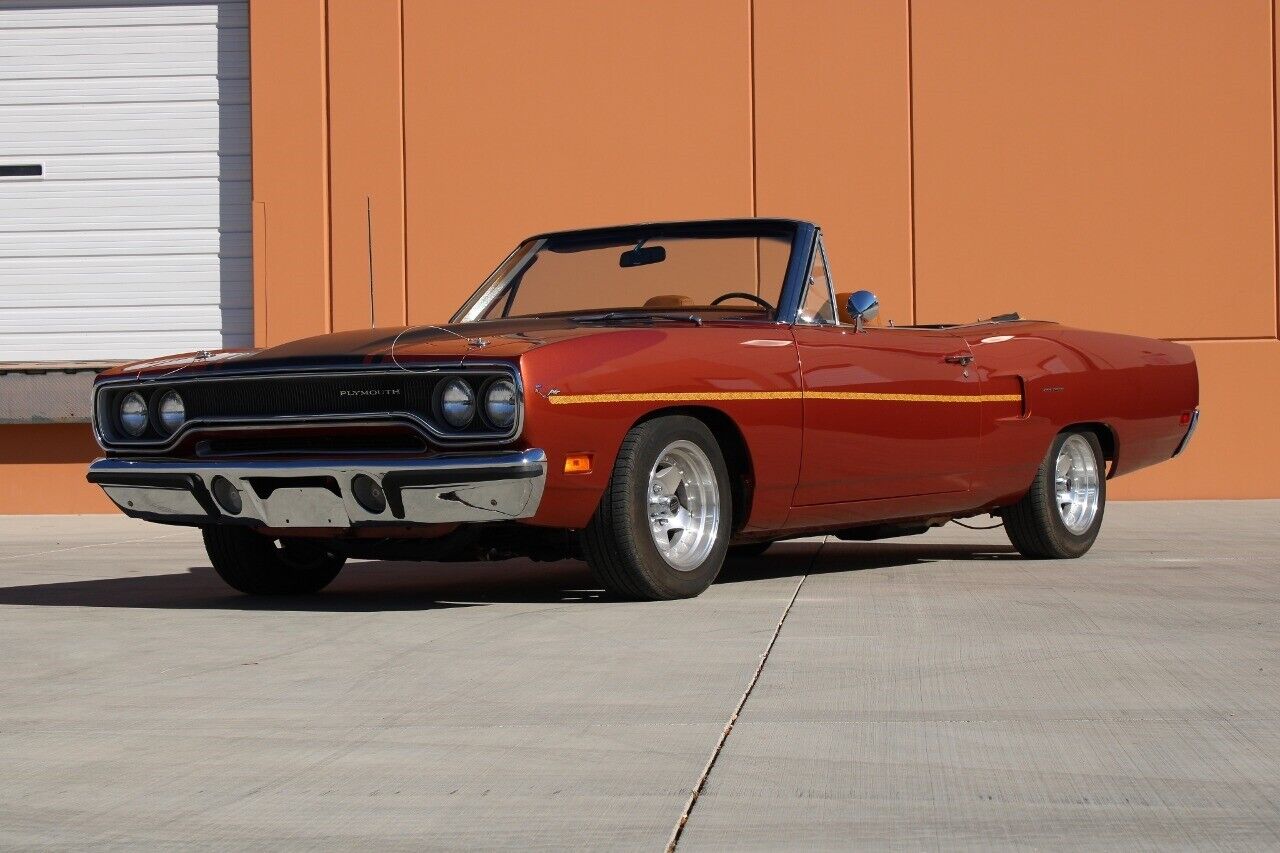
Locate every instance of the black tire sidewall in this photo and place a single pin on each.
(662, 576)
(251, 563)
(1067, 543)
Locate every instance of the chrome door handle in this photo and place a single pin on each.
(961, 358)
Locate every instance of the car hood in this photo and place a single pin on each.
(502, 339)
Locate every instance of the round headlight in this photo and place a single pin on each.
(457, 403)
(172, 411)
(500, 403)
(133, 413)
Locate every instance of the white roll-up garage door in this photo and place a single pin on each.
(124, 178)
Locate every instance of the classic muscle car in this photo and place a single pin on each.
(651, 398)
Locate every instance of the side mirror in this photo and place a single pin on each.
(863, 306)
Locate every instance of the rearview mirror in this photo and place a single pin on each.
(642, 256)
(863, 307)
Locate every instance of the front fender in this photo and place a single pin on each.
(583, 395)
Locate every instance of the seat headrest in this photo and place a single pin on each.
(668, 300)
(842, 306)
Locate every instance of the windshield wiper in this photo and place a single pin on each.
(621, 317)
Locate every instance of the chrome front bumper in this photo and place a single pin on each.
(318, 493)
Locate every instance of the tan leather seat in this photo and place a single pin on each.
(842, 305)
(668, 300)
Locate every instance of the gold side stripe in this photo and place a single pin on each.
(705, 396)
(915, 398)
(673, 397)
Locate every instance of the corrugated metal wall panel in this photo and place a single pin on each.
(129, 128)
(37, 205)
(46, 14)
(167, 241)
(171, 280)
(107, 90)
(170, 165)
(136, 240)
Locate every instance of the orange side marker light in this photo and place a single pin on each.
(577, 463)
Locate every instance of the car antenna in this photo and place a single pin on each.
(368, 220)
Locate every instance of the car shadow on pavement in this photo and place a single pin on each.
(788, 559)
(399, 586)
(362, 587)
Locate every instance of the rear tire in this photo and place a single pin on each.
(1061, 514)
(662, 527)
(256, 565)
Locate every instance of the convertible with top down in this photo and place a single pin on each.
(651, 398)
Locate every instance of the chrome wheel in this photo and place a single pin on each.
(1076, 481)
(684, 505)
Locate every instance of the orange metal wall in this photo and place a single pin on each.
(42, 470)
(1111, 165)
(366, 163)
(832, 86)
(525, 117)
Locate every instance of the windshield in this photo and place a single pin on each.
(636, 269)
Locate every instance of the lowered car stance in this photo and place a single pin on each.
(653, 399)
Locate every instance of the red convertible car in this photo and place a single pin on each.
(651, 398)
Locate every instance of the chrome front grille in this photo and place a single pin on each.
(233, 402)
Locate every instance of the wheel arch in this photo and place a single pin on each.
(1106, 438)
(733, 444)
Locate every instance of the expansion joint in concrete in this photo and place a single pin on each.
(737, 711)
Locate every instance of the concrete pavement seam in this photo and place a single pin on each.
(737, 711)
(91, 545)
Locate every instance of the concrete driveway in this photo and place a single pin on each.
(932, 692)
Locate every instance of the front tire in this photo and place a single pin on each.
(662, 527)
(1060, 516)
(256, 565)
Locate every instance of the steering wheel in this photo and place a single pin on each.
(739, 295)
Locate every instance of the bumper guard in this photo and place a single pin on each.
(318, 493)
(1191, 430)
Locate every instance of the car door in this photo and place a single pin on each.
(888, 412)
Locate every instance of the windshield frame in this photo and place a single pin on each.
(800, 235)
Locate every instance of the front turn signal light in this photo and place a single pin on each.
(577, 463)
